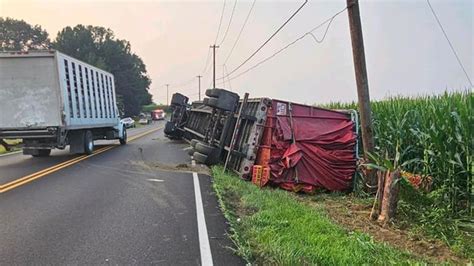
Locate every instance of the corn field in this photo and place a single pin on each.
(436, 132)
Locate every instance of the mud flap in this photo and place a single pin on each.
(76, 142)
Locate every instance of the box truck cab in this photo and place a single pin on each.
(51, 100)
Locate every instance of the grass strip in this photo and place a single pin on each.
(269, 226)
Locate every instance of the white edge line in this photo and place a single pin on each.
(206, 256)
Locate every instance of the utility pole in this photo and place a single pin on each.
(214, 65)
(167, 94)
(362, 85)
(199, 81)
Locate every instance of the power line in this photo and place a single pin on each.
(228, 79)
(240, 33)
(207, 61)
(450, 44)
(268, 40)
(228, 25)
(220, 22)
(309, 33)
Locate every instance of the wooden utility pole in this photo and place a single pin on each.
(199, 81)
(167, 94)
(362, 85)
(214, 65)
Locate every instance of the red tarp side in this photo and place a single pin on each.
(323, 155)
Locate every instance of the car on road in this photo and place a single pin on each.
(144, 119)
(128, 122)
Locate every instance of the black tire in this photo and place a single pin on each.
(205, 148)
(200, 158)
(194, 142)
(88, 142)
(225, 104)
(212, 93)
(42, 153)
(170, 128)
(179, 99)
(212, 102)
(123, 140)
(191, 151)
(221, 93)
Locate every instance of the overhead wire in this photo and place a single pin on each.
(228, 79)
(271, 37)
(309, 33)
(220, 22)
(204, 71)
(449, 42)
(240, 33)
(230, 22)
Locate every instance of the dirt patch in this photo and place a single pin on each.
(354, 216)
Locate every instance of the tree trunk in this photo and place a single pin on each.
(390, 196)
(378, 197)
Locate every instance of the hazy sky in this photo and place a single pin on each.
(405, 50)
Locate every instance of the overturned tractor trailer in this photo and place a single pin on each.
(51, 100)
(294, 146)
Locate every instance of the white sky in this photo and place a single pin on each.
(405, 50)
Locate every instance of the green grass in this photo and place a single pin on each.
(272, 227)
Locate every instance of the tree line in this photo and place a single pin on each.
(95, 45)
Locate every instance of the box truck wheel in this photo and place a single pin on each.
(123, 140)
(88, 142)
(41, 153)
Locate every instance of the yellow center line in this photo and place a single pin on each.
(26, 179)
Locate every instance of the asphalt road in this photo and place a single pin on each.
(132, 204)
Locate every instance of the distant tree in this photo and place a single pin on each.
(98, 46)
(17, 35)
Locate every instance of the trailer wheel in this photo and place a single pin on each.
(194, 142)
(200, 158)
(221, 93)
(225, 104)
(190, 151)
(205, 148)
(123, 140)
(216, 93)
(88, 142)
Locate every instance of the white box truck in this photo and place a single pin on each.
(51, 100)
